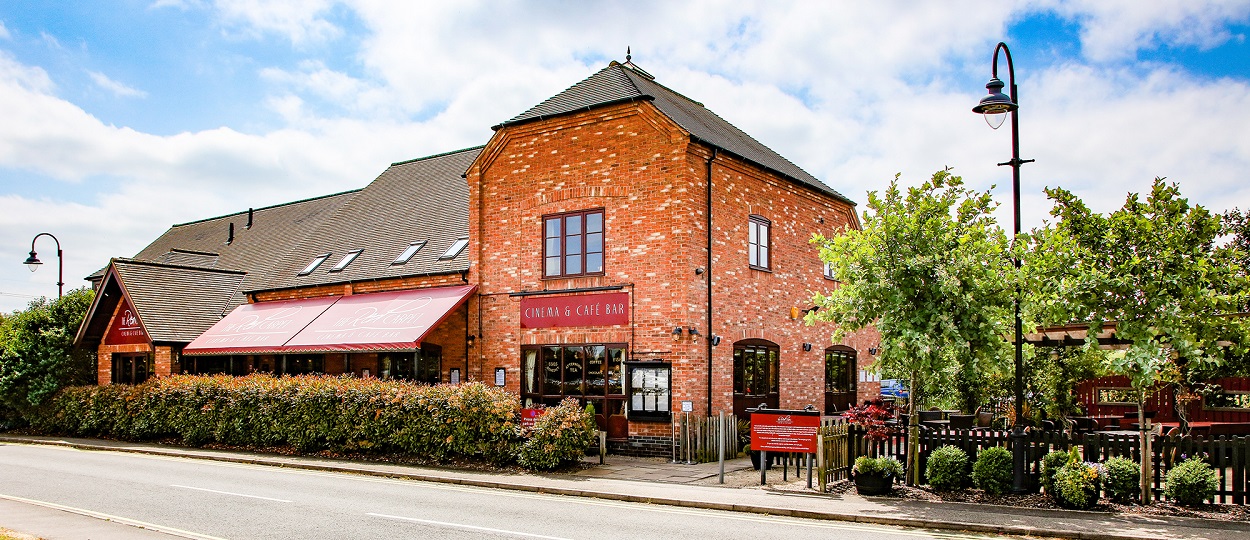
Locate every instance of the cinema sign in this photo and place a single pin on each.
(580, 310)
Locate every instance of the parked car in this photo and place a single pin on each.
(893, 388)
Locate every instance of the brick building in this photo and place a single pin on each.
(617, 243)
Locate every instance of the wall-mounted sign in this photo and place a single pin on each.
(648, 391)
(454, 375)
(500, 376)
(778, 430)
(126, 328)
(577, 310)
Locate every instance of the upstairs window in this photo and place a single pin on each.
(757, 243)
(346, 260)
(409, 251)
(829, 271)
(314, 264)
(573, 244)
(454, 251)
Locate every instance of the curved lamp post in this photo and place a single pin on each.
(33, 262)
(995, 107)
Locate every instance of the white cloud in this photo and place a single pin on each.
(1118, 29)
(851, 92)
(118, 89)
(4, 32)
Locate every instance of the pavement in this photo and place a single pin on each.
(658, 481)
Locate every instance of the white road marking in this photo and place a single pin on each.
(110, 517)
(229, 493)
(463, 526)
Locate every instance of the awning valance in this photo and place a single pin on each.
(386, 321)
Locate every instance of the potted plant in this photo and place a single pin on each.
(875, 476)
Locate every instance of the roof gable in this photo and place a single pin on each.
(619, 83)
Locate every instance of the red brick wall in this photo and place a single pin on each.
(649, 179)
(104, 359)
(343, 289)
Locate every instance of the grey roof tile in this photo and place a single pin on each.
(619, 83)
(424, 199)
(255, 250)
(177, 303)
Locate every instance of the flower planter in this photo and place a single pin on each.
(873, 484)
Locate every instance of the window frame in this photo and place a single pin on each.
(583, 237)
(757, 251)
(314, 265)
(348, 258)
(455, 249)
(405, 255)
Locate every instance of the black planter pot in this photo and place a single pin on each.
(873, 484)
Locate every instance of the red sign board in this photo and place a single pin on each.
(580, 310)
(126, 328)
(784, 431)
(529, 417)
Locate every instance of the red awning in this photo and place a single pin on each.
(378, 321)
(258, 328)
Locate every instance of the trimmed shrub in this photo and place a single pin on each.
(884, 466)
(1051, 464)
(992, 470)
(1122, 481)
(562, 434)
(310, 413)
(1077, 484)
(947, 468)
(1191, 483)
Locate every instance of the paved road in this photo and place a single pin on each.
(204, 499)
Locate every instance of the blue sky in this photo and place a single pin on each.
(120, 119)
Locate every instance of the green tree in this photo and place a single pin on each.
(931, 270)
(37, 354)
(1152, 268)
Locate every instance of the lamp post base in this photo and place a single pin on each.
(1019, 478)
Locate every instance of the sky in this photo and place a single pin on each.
(119, 119)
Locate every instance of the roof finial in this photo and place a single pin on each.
(627, 55)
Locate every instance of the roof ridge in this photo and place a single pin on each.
(444, 154)
(270, 207)
(139, 262)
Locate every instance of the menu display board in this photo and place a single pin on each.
(779, 430)
(649, 390)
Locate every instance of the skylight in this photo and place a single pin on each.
(411, 250)
(346, 260)
(314, 264)
(455, 249)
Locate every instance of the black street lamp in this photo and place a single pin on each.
(33, 262)
(995, 107)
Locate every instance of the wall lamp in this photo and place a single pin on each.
(470, 339)
(694, 333)
(807, 347)
(676, 333)
(873, 350)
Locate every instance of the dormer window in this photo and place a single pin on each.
(455, 249)
(346, 260)
(411, 250)
(314, 264)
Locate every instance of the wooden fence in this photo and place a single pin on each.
(839, 445)
(696, 439)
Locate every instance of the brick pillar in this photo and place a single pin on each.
(163, 362)
(104, 362)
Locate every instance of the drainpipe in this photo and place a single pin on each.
(708, 273)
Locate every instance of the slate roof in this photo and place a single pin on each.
(178, 303)
(621, 83)
(424, 199)
(255, 250)
(174, 303)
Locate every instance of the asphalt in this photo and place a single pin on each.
(658, 481)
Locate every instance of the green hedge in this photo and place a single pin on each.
(311, 413)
